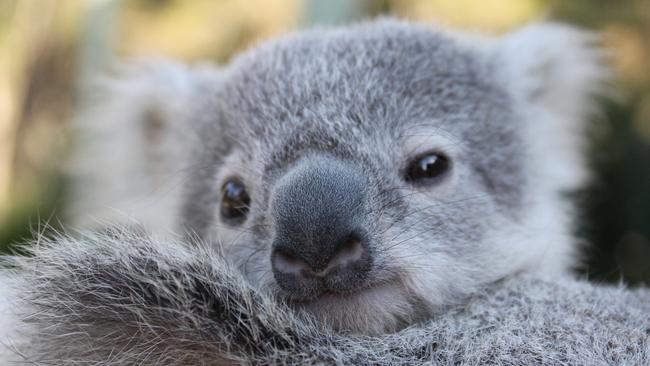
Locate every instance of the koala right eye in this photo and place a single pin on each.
(426, 169)
(235, 201)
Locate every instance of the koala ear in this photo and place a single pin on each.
(553, 72)
(553, 65)
(131, 129)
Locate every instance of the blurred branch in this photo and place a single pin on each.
(340, 11)
(34, 102)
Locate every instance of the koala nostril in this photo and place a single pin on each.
(349, 252)
(287, 263)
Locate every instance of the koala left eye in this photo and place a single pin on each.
(235, 201)
(427, 168)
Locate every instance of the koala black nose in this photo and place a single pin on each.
(343, 260)
(320, 243)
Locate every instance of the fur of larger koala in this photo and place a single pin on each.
(362, 102)
(121, 298)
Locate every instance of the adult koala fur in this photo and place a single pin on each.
(361, 179)
(125, 299)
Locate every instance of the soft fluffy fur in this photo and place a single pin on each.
(508, 111)
(121, 298)
(472, 270)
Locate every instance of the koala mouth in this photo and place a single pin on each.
(374, 309)
(347, 292)
(329, 295)
(350, 296)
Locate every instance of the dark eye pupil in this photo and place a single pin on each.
(235, 200)
(427, 168)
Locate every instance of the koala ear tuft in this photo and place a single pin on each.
(131, 128)
(554, 66)
(553, 72)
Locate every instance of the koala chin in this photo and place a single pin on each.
(371, 175)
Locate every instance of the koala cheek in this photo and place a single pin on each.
(226, 237)
(238, 248)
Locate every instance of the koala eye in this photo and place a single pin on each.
(427, 168)
(234, 200)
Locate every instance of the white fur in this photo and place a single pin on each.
(128, 167)
(553, 71)
(12, 330)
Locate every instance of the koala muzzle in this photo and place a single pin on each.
(320, 242)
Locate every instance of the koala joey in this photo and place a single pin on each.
(370, 175)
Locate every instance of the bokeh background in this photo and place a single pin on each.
(47, 46)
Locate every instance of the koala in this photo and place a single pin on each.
(371, 175)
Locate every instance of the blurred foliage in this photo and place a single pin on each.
(616, 206)
(46, 45)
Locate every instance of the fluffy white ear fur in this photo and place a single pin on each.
(128, 165)
(553, 73)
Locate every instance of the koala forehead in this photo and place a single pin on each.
(382, 77)
(369, 90)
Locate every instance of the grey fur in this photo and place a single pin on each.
(122, 298)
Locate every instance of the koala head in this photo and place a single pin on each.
(374, 174)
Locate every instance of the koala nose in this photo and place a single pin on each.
(344, 258)
(319, 243)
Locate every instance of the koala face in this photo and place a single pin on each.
(373, 175)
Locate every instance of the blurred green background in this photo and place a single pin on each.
(46, 46)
